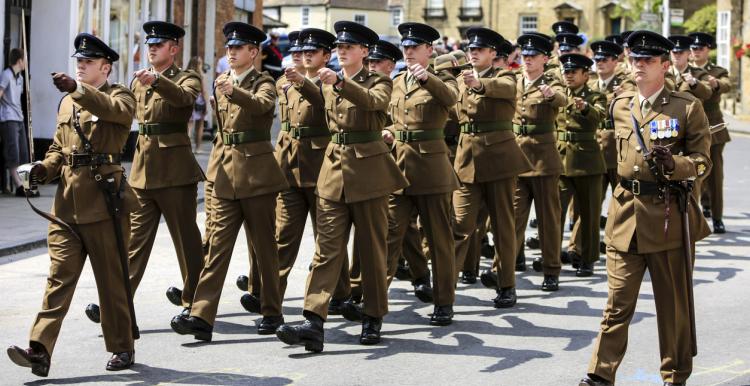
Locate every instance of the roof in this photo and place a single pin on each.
(569, 5)
(377, 5)
(269, 22)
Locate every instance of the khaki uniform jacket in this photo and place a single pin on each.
(533, 108)
(246, 169)
(700, 90)
(424, 106)
(606, 135)
(358, 171)
(711, 105)
(105, 118)
(300, 159)
(166, 160)
(494, 155)
(643, 216)
(582, 158)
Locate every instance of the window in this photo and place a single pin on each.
(434, 9)
(528, 23)
(360, 18)
(435, 4)
(242, 15)
(472, 3)
(396, 16)
(305, 12)
(723, 22)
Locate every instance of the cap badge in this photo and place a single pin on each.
(83, 44)
(643, 41)
(234, 35)
(153, 30)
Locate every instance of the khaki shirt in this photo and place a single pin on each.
(359, 171)
(166, 160)
(643, 216)
(582, 158)
(105, 115)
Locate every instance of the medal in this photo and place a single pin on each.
(654, 130)
(675, 125)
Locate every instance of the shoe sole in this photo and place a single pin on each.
(204, 336)
(498, 305)
(287, 337)
(266, 331)
(20, 360)
(251, 308)
(550, 289)
(369, 342)
(129, 365)
(423, 297)
(441, 322)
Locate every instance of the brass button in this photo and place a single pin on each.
(406, 97)
(523, 108)
(636, 168)
(341, 115)
(523, 120)
(567, 122)
(638, 148)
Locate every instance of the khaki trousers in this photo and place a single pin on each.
(609, 179)
(545, 193)
(586, 191)
(67, 257)
(713, 186)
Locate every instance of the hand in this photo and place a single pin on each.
(470, 79)
(663, 157)
(225, 86)
(418, 71)
(145, 76)
(293, 76)
(690, 79)
(63, 82)
(547, 91)
(617, 90)
(212, 101)
(328, 76)
(713, 82)
(387, 136)
(580, 103)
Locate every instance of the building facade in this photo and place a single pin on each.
(299, 14)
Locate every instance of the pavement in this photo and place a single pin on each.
(546, 339)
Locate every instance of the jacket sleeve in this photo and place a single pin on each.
(443, 87)
(374, 98)
(182, 93)
(695, 162)
(501, 86)
(261, 101)
(558, 99)
(311, 92)
(117, 107)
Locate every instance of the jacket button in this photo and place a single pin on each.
(567, 122)
(406, 97)
(523, 108)
(636, 168)
(638, 148)
(341, 115)
(523, 120)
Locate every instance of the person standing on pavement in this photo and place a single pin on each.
(15, 145)
(357, 176)
(663, 144)
(165, 95)
(93, 122)
(246, 183)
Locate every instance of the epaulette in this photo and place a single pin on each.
(624, 95)
(119, 85)
(60, 103)
(400, 74)
(684, 95)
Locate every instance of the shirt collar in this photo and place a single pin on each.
(531, 81)
(483, 72)
(607, 81)
(650, 99)
(241, 77)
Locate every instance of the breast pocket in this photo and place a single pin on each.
(540, 110)
(623, 143)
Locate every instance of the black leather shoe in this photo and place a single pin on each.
(174, 295)
(488, 279)
(487, 250)
(370, 330)
(190, 325)
(520, 261)
(533, 242)
(269, 324)
(442, 315)
(309, 334)
(593, 380)
(602, 222)
(92, 312)
(402, 271)
(564, 257)
(602, 248)
(38, 360)
(706, 212)
(506, 298)
(585, 269)
(537, 264)
(243, 283)
(251, 303)
(468, 277)
(719, 226)
(550, 283)
(351, 311)
(334, 306)
(121, 361)
(533, 223)
(423, 289)
(575, 259)
(674, 384)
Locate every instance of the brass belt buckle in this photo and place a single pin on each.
(636, 187)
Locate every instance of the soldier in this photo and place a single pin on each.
(567, 43)
(539, 97)
(165, 95)
(719, 82)
(246, 184)
(566, 29)
(93, 122)
(663, 142)
(419, 107)
(583, 162)
(681, 75)
(357, 175)
(383, 57)
(488, 159)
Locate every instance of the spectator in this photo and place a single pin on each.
(195, 126)
(272, 57)
(12, 132)
(222, 65)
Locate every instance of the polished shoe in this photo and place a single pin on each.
(190, 325)
(487, 251)
(442, 315)
(585, 269)
(309, 333)
(468, 277)
(506, 298)
(602, 248)
(488, 279)
(520, 261)
(243, 283)
(719, 226)
(38, 359)
(423, 289)
(602, 222)
(174, 295)
(402, 271)
(533, 242)
(370, 330)
(269, 324)
(706, 212)
(575, 259)
(674, 383)
(334, 306)
(121, 361)
(550, 283)
(92, 312)
(537, 264)
(594, 380)
(564, 257)
(533, 223)
(351, 311)
(251, 303)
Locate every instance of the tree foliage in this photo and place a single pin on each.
(703, 20)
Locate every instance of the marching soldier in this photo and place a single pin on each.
(663, 144)
(246, 184)
(539, 98)
(713, 193)
(357, 176)
(488, 160)
(582, 159)
(165, 95)
(419, 107)
(681, 75)
(93, 122)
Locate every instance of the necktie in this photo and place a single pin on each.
(645, 108)
(602, 85)
(410, 80)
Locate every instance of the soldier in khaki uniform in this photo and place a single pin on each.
(662, 142)
(582, 158)
(681, 75)
(245, 186)
(487, 159)
(165, 96)
(102, 114)
(539, 97)
(357, 176)
(713, 192)
(419, 107)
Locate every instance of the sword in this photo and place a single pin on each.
(26, 83)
